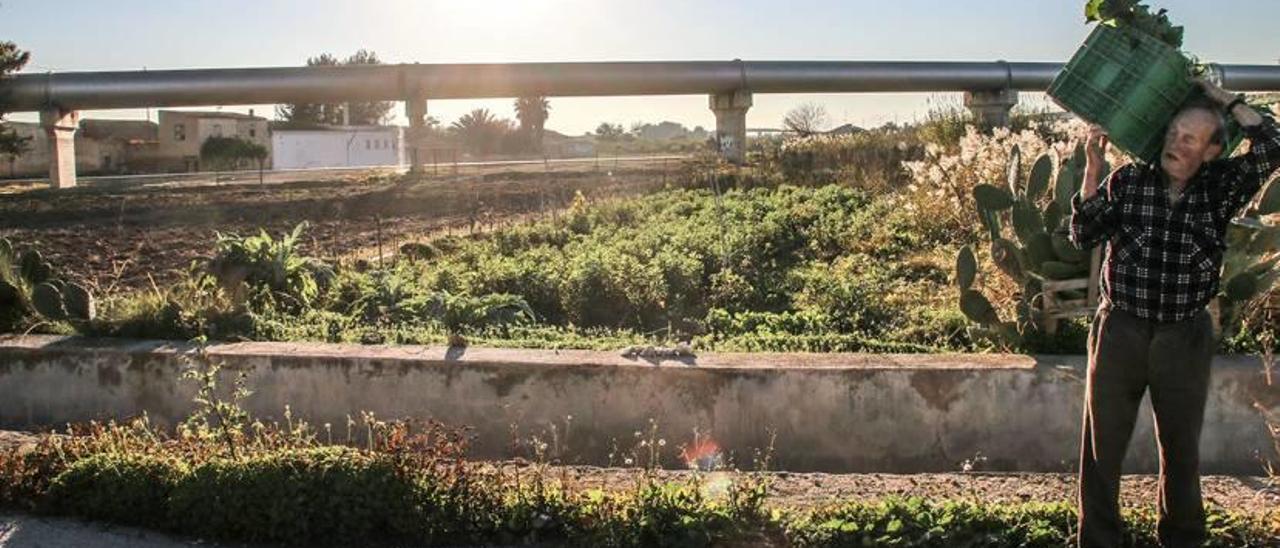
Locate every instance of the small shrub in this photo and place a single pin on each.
(126, 488)
(257, 267)
(309, 495)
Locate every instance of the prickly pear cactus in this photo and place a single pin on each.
(78, 302)
(1028, 237)
(29, 289)
(1251, 263)
(966, 267)
(47, 300)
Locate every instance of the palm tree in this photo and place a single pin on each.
(479, 130)
(533, 111)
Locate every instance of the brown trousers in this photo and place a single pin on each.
(1127, 356)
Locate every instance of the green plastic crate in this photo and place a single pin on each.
(1128, 82)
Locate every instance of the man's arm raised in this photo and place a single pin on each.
(1094, 212)
(1262, 159)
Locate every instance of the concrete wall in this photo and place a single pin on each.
(841, 412)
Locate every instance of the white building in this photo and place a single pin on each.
(337, 146)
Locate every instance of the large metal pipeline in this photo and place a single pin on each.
(243, 86)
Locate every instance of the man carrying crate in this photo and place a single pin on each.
(1164, 225)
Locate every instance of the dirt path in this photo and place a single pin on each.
(24, 531)
(804, 490)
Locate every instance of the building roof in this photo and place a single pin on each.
(214, 114)
(279, 127)
(130, 130)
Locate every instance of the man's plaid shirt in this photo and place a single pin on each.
(1163, 260)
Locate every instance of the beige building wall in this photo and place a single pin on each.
(92, 156)
(182, 133)
(178, 134)
(255, 131)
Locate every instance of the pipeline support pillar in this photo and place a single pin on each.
(415, 109)
(991, 108)
(731, 124)
(61, 127)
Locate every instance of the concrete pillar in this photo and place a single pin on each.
(731, 124)
(991, 108)
(61, 127)
(416, 110)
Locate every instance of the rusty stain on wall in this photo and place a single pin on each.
(939, 388)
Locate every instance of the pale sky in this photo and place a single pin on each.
(80, 35)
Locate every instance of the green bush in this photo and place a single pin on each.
(131, 489)
(283, 488)
(917, 522)
(655, 514)
(312, 495)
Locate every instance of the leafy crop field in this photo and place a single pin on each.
(826, 244)
(123, 236)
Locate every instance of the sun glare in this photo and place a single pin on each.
(497, 14)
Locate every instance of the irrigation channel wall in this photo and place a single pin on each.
(825, 412)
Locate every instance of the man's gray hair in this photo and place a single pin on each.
(1203, 103)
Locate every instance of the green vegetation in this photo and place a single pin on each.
(1037, 250)
(914, 522)
(223, 475)
(224, 153)
(32, 293)
(871, 241)
(764, 268)
(1135, 15)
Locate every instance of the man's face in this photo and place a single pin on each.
(1188, 143)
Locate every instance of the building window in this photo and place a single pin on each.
(368, 145)
(179, 132)
(217, 130)
(253, 132)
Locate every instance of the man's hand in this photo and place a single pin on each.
(1095, 158)
(1214, 92)
(1245, 116)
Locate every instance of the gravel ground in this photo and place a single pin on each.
(22, 531)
